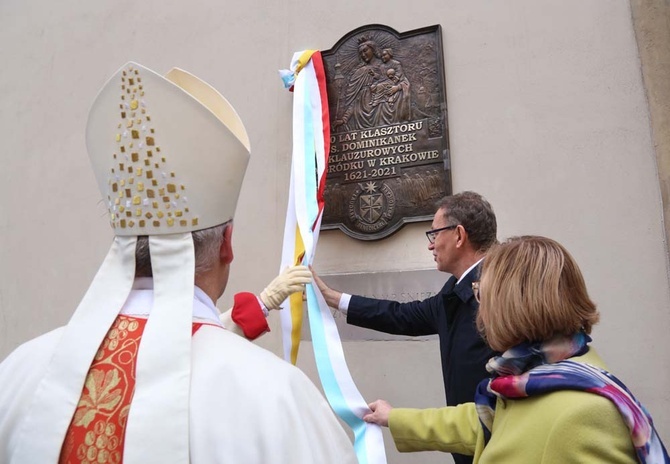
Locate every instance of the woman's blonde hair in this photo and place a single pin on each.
(532, 290)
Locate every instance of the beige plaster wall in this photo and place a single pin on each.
(548, 119)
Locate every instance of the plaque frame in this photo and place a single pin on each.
(389, 161)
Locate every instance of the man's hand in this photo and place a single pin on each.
(380, 413)
(331, 296)
(291, 280)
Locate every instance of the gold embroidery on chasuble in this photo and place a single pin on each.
(97, 430)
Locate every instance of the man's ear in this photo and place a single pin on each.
(462, 236)
(226, 250)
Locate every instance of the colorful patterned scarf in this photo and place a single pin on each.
(531, 369)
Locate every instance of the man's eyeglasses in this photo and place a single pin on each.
(431, 234)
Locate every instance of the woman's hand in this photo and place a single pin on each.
(380, 413)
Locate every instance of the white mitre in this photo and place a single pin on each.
(169, 154)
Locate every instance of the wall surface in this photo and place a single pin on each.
(548, 119)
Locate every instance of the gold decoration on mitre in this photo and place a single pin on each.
(169, 152)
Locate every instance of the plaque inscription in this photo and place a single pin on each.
(389, 149)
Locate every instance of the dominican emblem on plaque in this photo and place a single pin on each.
(389, 147)
(371, 206)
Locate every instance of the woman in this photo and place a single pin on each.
(550, 399)
(359, 112)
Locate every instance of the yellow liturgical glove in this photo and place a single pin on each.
(291, 280)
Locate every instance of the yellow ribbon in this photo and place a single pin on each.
(303, 60)
(296, 300)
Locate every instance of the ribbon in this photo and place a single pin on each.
(311, 144)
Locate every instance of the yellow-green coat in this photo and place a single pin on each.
(562, 427)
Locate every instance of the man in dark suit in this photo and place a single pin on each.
(463, 229)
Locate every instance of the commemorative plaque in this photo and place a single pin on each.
(389, 146)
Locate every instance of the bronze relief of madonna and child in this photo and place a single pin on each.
(389, 155)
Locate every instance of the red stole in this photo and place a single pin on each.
(97, 431)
